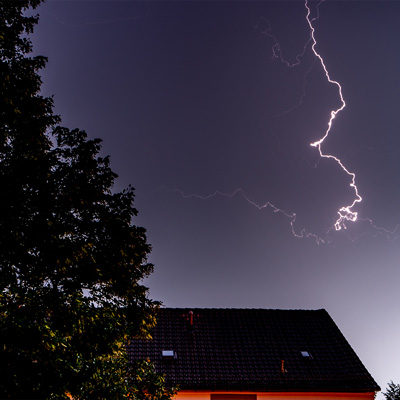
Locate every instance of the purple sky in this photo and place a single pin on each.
(189, 101)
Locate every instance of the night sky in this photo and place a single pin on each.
(200, 117)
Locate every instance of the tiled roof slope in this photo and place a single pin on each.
(243, 349)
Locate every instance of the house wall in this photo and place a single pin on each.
(280, 396)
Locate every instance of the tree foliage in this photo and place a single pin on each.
(71, 260)
(392, 392)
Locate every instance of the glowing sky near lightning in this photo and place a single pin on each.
(209, 108)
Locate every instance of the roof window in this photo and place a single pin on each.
(168, 354)
(306, 355)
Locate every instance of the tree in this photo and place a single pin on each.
(71, 260)
(392, 392)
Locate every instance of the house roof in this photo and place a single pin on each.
(253, 350)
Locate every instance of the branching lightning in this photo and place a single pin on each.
(303, 95)
(345, 212)
(292, 217)
(276, 47)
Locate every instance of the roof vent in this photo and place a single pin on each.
(283, 369)
(169, 355)
(191, 318)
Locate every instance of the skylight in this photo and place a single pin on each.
(168, 354)
(306, 354)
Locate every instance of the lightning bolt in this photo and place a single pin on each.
(277, 54)
(291, 216)
(303, 95)
(345, 213)
(276, 47)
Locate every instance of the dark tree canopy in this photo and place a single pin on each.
(71, 259)
(392, 392)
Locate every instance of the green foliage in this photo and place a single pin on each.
(71, 261)
(392, 392)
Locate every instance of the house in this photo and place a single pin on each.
(254, 354)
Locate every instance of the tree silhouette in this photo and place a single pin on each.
(392, 392)
(71, 259)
